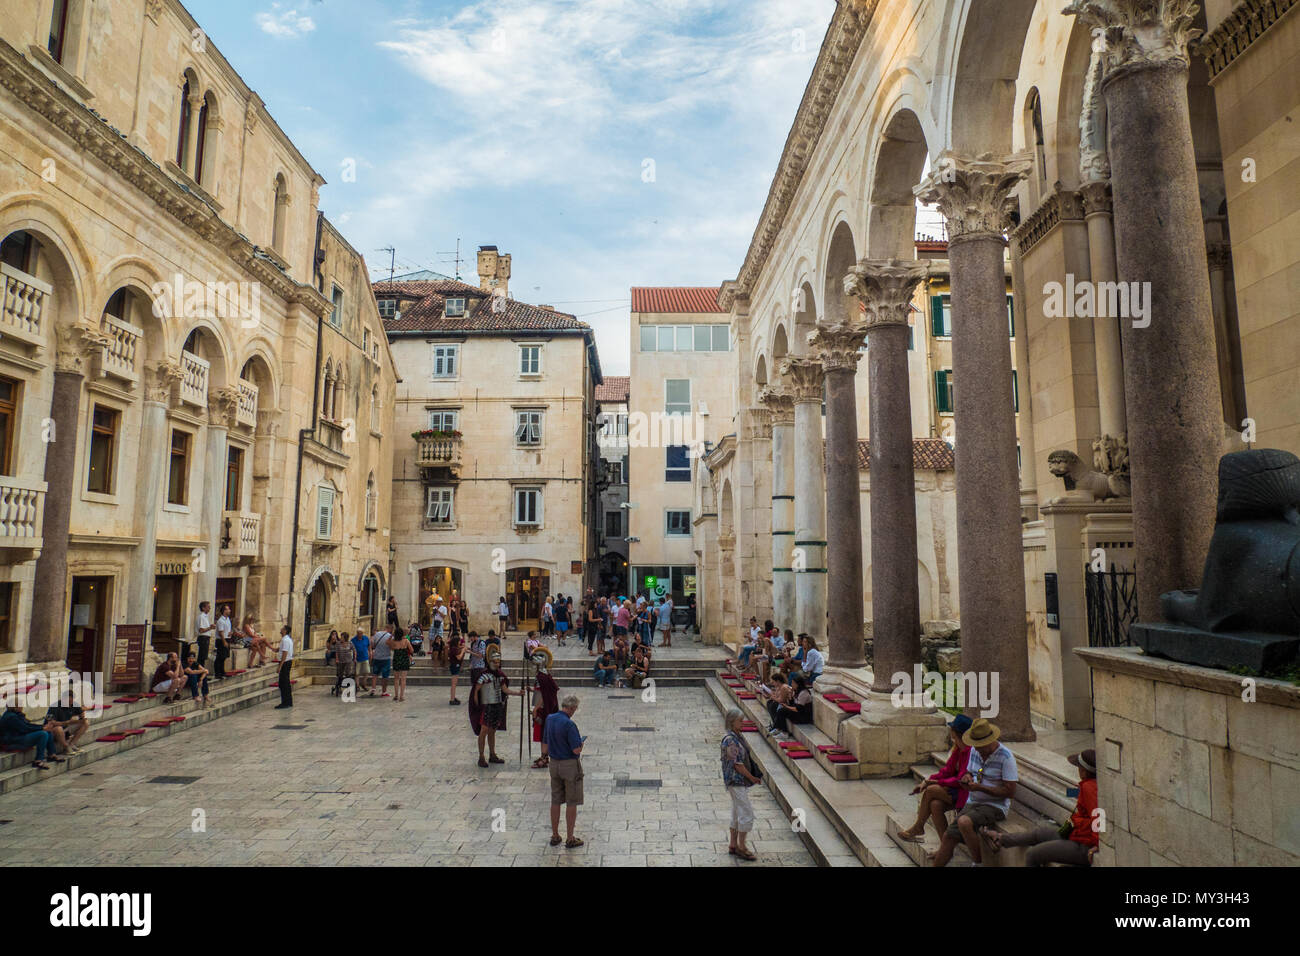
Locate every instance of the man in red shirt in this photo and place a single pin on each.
(1074, 843)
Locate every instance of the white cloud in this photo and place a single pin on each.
(284, 23)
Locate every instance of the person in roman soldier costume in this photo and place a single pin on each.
(546, 699)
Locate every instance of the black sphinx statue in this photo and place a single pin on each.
(1246, 613)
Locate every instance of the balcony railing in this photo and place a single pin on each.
(194, 379)
(438, 453)
(22, 512)
(246, 410)
(25, 300)
(245, 533)
(117, 358)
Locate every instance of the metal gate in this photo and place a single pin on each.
(1112, 606)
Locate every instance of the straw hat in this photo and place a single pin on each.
(981, 734)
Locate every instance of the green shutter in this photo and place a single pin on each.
(1015, 390)
(1011, 315)
(936, 315)
(941, 391)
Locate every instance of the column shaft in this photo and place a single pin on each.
(783, 582)
(140, 577)
(844, 536)
(1110, 356)
(809, 554)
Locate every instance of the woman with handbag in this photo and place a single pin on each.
(739, 773)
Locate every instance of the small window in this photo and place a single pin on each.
(677, 396)
(443, 419)
(444, 360)
(365, 341)
(58, 30)
(455, 308)
(721, 338)
(677, 524)
(234, 478)
(613, 524)
(179, 468)
(1015, 391)
(677, 464)
(528, 427)
(704, 338)
(614, 472)
(387, 308)
(103, 449)
(649, 338)
(438, 505)
(7, 591)
(324, 513)
(667, 338)
(685, 338)
(372, 503)
(1011, 316)
(9, 390)
(530, 360)
(528, 507)
(336, 314)
(941, 316)
(943, 390)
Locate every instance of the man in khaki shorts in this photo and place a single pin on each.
(564, 744)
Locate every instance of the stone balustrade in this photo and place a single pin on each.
(438, 453)
(22, 512)
(246, 409)
(194, 380)
(245, 529)
(117, 357)
(25, 300)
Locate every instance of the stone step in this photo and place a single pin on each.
(1039, 792)
(248, 696)
(854, 808)
(818, 833)
(922, 854)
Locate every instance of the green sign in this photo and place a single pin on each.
(651, 580)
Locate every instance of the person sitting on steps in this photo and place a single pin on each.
(940, 791)
(1075, 842)
(990, 778)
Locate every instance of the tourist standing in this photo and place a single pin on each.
(223, 627)
(548, 618)
(666, 621)
(391, 613)
(455, 651)
(205, 630)
(503, 613)
(739, 773)
(361, 645)
(593, 625)
(401, 648)
(564, 745)
(345, 657)
(381, 661)
(286, 668)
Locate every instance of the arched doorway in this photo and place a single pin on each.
(446, 582)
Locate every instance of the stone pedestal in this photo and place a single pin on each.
(1171, 377)
(1196, 767)
(973, 194)
(808, 558)
(888, 740)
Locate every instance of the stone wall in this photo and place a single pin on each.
(1198, 767)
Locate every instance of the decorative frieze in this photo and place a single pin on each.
(1247, 22)
(1061, 205)
(974, 193)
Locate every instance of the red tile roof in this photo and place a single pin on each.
(615, 389)
(928, 454)
(422, 302)
(675, 299)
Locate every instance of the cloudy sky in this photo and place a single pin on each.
(603, 143)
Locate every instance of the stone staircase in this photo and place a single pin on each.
(132, 717)
(865, 814)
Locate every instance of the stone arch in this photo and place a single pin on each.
(981, 97)
(841, 256)
(205, 158)
(760, 370)
(185, 114)
(898, 167)
(805, 318)
(780, 342)
(1033, 128)
(258, 367)
(148, 289)
(207, 340)
(1063, 135)
(61, 260)
(726, 510)
(279, 211)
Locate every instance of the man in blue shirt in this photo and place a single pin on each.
(361, 643)
(564, 744)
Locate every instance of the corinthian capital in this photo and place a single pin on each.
(76, 343)
(779, 402)
(885, 287)
(1139, 34)
(805, 377)
(222, 404)
(974, 193)
(161, 379)
(838, 345)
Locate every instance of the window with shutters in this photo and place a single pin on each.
(943, 391)
(941, 316)
(530, 360)
(677, 524)
(443, 419)
(1015, 390)
(445, 361)
(325, 513)
(677, 463)
(528, 427)
(528, 507)
(1011, 316)
(178, 471)
(438, 506)
(677, 396)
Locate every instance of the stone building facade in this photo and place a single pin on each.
(612, 511)
(161, 326)
(494, 472)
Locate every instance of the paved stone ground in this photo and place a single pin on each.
(377, 782)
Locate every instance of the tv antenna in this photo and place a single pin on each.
(392, 259)
(454, 257)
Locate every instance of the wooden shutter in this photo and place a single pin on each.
(936, 315)
(941, 390)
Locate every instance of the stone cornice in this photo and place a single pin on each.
(95, 138)
(1139, 34)
(843, 38)
(1247, 22)
(1062, 204)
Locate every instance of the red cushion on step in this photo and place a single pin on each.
(791, 745)
(150, 694)
(837, 697)
(798, 754)
(125, 700)
(841, 758)
(745, 695)
(159, 723)
(111, 738)
(851, 708)
(749, 676)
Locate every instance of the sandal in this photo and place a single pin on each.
(573, 843)
(482, 762)
(993, 837)
(747, 855)
(540, 762)
(40, 765)
(556, 840)
(495, 759)
(911, 837)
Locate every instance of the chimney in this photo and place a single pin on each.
(493, 270)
